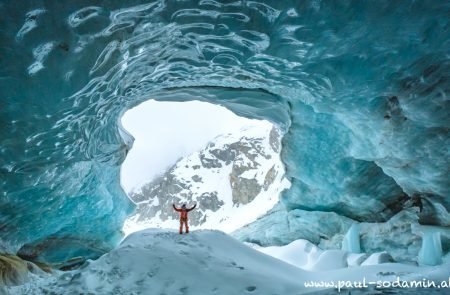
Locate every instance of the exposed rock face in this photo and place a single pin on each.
(229, 173)
(244, 190)
(156, 198)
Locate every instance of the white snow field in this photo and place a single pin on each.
(305, 255)
(156, 261)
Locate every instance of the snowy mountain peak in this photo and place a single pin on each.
(235, 179)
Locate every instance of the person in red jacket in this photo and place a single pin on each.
(183, 216)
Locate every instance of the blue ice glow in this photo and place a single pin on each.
(431, 251)
(351, 241)
(361, 88)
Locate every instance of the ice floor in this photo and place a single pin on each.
(155, 261)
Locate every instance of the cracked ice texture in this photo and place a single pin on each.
(360, 88)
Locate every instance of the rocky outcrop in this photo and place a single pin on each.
(231, 171)
(244, 190)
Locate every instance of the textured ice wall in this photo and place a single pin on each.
(361, 87)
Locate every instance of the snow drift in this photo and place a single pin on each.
(156, 261)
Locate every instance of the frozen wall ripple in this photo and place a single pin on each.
(361, 88)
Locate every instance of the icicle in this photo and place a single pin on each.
(431, 251)
(351, 240)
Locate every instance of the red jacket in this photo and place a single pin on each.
(183, 212)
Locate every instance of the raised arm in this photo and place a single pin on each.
(195, 205)
(175, 208)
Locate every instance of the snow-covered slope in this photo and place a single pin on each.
(156, 261)
(163, 262)
(235, 179)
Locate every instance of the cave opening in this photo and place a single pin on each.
(199, 153)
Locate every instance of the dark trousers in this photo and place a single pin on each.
(185, 222)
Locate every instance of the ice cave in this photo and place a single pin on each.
(359, 91)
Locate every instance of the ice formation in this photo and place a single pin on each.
(351, 240)
(431, 251)
(361, 89)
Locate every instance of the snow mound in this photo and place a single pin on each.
(301, 253)
(157, 261)
(355, 259)
(378, 258)
(331, 259)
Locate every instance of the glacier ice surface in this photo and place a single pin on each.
(360, 87)
(431, 251)
(351, 243)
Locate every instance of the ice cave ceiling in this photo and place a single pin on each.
(360, 87)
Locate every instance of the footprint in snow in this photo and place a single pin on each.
(234, 264)
(153, 272)
(250, 288)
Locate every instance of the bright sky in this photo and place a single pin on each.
(166, 131)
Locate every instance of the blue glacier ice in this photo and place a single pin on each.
(351, 242)
(431, 251)
(360, 88)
